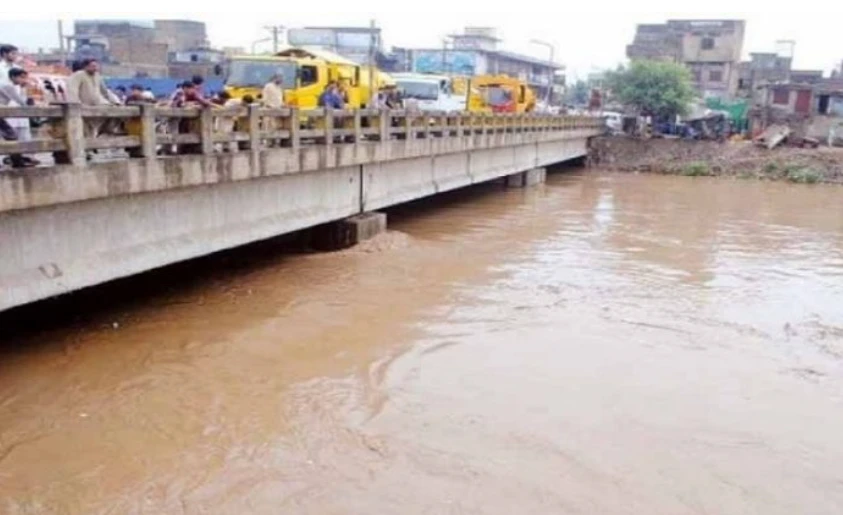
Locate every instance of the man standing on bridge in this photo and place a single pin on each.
(9, 94)
(86, 87)
(10, 60)
(272, 97)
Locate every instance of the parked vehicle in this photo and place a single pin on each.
(504, 94)
(306, 73)
(430, 92)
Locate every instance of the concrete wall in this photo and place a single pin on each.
(682, 41)
(181, 34)
(71, 228)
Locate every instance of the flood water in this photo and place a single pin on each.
(602, 344)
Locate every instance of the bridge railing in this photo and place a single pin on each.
(72, 131)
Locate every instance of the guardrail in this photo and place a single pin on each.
(71, 131)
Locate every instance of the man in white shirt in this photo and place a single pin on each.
(9, 59)
(9, 95)
(272, 96)
(273, 92)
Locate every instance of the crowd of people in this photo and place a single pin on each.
(86, 86)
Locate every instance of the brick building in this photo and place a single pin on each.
(124, 47)
(711, 49)
(139, 48)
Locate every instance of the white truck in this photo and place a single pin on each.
(428, 92)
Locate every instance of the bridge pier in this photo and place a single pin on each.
(346, 233)
(527, 178)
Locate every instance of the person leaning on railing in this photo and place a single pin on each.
(189, 95)
(87, 87)
(9, 94)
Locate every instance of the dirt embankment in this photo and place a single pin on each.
(736, 159)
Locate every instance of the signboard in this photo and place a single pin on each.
(312, 37)
(356, 40)
(444, 61)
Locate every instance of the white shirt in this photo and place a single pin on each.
(272, 95)
(21, 124)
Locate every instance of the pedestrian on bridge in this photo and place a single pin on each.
(10, 59)
(9, 94)
(87, 87)
(272, 96)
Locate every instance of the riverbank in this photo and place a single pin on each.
(708, 158)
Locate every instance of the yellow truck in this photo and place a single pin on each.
(306, 73)
(504, 94)
(474, 100)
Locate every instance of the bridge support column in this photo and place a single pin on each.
(526, 179)
(349, 232)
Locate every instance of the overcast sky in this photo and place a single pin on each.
(590, 36)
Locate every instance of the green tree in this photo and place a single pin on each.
(655, 88)
(578, 94)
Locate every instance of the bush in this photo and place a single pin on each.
(802, 175)
(696, 169)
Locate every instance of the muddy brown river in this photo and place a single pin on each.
(606, 343)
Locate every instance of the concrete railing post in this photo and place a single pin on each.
(254, 128)
(329, 126)
(148, 139)
(384, 124)
(74, 136)
(206, 130)
(295, 129)
(408, 126)
(358, 126)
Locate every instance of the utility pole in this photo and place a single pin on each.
(552, 48)
(373, 87)
(276, 31)
(445, 56)
(61, 43)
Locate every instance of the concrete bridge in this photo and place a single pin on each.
(240, 175)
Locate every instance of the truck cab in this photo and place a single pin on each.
(429, 92)
(504, 94)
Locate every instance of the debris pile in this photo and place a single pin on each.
(740, 159)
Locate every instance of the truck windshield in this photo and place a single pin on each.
(497, 95)
(419, 90)
(256, 73)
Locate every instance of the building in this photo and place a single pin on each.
(773, 68)
(124, 47)
(476, 52)
(821, 97)
(711, 49)
(762, 67)
(143, 48)
(181, 35)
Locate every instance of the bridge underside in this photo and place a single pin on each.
(60, 247)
